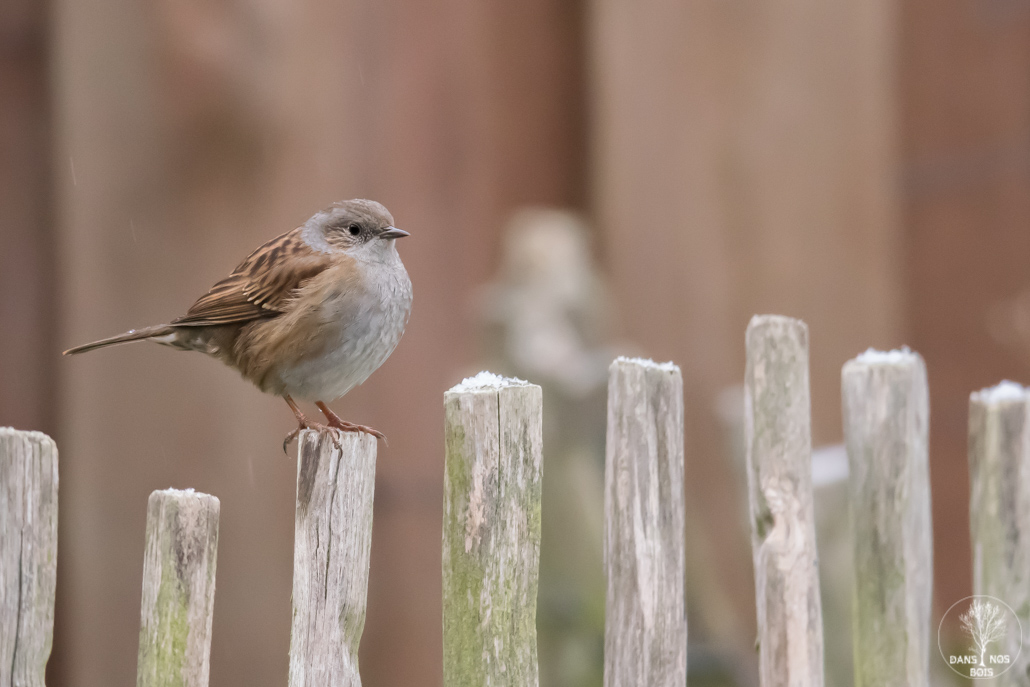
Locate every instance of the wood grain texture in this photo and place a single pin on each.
(645, 639)
(491, 533)
(178, 589)
(886, 425)
(999, 509)
(28, 555)
(332, 545)
(778, 436)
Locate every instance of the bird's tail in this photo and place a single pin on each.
(161, 333)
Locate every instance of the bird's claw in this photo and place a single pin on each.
(331, 431)
(335, 421)
(290, 437)
(345, 426)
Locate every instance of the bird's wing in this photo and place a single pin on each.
(261, 286)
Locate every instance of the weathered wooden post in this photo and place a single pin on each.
(332, 545)
(778, 435)
(645, 639)
(178, 589)
(491, 532)
(28, 555)
(886, 429)
(999, 509)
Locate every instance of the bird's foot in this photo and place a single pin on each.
(334, 421)
(304, 423)
(345, 426)
(308, 424)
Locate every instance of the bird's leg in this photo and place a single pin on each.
(335, 421)
(302, 423)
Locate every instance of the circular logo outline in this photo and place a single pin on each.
(940, 626)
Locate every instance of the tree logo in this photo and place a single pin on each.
(991, 637)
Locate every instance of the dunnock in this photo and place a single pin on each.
(310, 314)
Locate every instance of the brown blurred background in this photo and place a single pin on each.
(862, 164)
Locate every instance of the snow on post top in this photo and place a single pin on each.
(486, 381)
(1006, 391)
(30, 434)
(646, 362)
(189, 491)
(895, 357)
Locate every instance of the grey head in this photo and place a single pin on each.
(362, 228)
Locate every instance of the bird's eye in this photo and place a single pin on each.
(354, 229)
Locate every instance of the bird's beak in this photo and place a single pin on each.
(393, 233)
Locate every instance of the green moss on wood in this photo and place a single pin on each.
(489, 605)
(163, 661)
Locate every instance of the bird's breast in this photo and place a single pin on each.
(359, 324)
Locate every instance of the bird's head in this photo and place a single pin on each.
(362, 228)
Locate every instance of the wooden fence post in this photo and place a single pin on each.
(491, 532)
(645, 623)
(999, 509)
(778, 435)
(886, 429)
(178, 589)
(28, 555)
(332, 545)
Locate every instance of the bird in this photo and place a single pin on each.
(309, 315)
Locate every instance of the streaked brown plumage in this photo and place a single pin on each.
(311, 313)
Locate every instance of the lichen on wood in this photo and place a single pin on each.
(491, 532)
(178, 589)
(886, 430)
(778, 438)
(999, 511)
